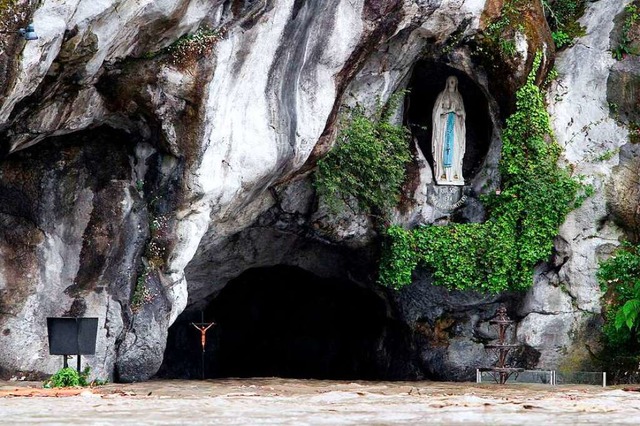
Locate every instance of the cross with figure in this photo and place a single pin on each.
(203, 327)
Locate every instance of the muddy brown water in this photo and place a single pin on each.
(278, 401)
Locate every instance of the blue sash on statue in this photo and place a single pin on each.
(447, 152)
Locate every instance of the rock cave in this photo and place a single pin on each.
(427, 81)
(284, 321)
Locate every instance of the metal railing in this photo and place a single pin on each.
(549, 377)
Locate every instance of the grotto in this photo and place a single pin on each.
(285, 321)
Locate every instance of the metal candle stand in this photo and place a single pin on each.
(501, 372)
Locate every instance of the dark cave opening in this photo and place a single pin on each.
(427, 81)
(284, 321)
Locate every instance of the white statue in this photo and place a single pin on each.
(448, 136)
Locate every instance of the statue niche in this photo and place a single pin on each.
(448, 140)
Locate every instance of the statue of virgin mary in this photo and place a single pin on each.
(448, 142)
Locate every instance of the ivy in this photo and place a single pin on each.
(523, 217)
(366, 169)
(401, 257)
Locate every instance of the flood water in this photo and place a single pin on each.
(313, 402)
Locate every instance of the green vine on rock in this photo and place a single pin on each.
(499, 36)
(561, 16)
(523, 217)
(366, 169)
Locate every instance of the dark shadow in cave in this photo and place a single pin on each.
(427, 81)
(287, 322)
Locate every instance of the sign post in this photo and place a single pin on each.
(72, 336)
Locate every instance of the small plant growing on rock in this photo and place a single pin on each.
(562, 17)
(634, 132)
(619, 278)
(141, 293)
(607, 155)
(155, 251)
(624, 46)
(499, 36)
(68, 377)
(561, 39)
(153, 260)
(188, 49)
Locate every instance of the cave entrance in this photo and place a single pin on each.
(288, 322)
(427, 81)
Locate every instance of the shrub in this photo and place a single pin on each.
(367, 165)
(67, 377)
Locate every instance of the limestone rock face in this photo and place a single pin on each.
(139, 179)
(565, 299)
(624, 195)
(73, 227)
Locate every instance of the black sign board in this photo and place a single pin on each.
(72, 336)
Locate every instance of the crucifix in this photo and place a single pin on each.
(202, 327)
